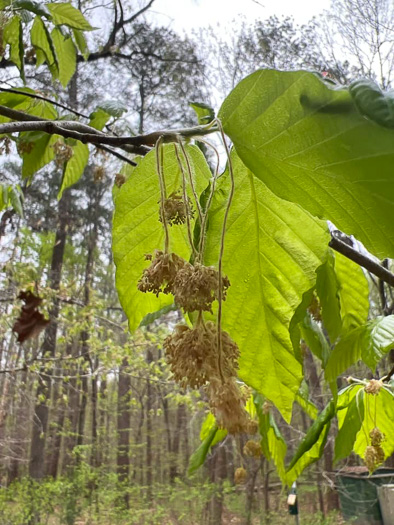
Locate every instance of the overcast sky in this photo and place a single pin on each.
(193, 14)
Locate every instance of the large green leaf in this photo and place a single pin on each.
(65, 13)
(74, 168)
(137, 230)
(349, 422)
(369, 342)
(309, 143)
(272, 250)
(66, 55)
(13, 35)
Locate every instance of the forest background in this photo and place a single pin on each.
(93, 428)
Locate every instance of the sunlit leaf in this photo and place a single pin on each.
(309, 143)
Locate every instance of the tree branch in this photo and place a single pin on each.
(340, 243)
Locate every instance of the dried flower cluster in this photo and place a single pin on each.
(120, 179)
(193, 354)
(160, 275)
(227, 404)
(175, 210)
(98, 173)
(373, 386)
(240, 476)
(253, 427)
(63, 152)
(196, 287)
(24, 148)
(374, 454)
(5, 146)
(252, 449)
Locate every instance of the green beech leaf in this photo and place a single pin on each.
(137, 230)
(81, 43)
(327, 290)
(16, 202)
(309, 143)
(369, 343)
(35, 7)
(66, 55)
(41, 40)
(41, 153)
(208, 424)
(13, 35)
(150, 318)
(373, 102)
(302, 399)
(378, 412)
(272, 251)
(311, 447)
(74, 168)
(113, 108)
(99, 118)
(353, 291)
(205, 114)
(349, 423)
(312, 334)
(198, 457)
(65, 13)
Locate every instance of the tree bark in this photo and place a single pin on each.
(40, 422)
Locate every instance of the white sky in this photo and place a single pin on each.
(194, 14)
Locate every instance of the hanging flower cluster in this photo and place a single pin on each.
(202, 356)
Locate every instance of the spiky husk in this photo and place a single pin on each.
(160, 275)
(196, 287)
(192, 354)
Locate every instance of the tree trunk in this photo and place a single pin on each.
(40, 422)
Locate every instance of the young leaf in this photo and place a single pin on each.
(40, 155)
(372, 102)
(369, 343)
(138, 231)
(65, 13)
(13, 35)
(41, 40)
(15, 199)
(99, 118)
(35, 7)
(309, 143)
(311, 447)
(378, 412)
(113, 107)
(353, 293)
(198, 457)
(205, 114)
(312, 333)
(66, 55)
(349, 422)
(74, 167)
(272, 250)
(327, 291)
(81, 43)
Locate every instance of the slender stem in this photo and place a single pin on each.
(186, 201)
(190, 173)
(220, 262)
(209, 202)
(163, 195)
